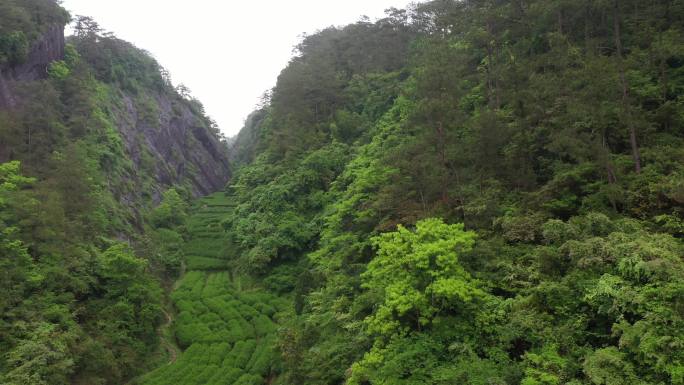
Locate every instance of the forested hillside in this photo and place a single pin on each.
(479, 192)
(475, 192)
(93, 136)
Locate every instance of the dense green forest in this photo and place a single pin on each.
(475, 192)
(479, 192)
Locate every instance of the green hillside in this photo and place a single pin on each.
(476, 192)
(479, 192)
(92, 134)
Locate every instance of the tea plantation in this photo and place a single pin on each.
(226, 327)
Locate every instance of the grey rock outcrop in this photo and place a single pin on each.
(183, 148)
(174, 147)
(45, 50)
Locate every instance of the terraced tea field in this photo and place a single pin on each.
(227, 330)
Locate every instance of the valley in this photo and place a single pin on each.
(481, 192)
(225, 323)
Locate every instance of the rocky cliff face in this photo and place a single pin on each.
(48, 48)
(178, 140)
(166, 137)
(6, 99)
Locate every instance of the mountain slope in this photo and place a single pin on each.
(480, 192)
(92, 138)
(473, 192)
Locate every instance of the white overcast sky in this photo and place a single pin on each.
(227, 52)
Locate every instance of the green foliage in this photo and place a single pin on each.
(14, 48)
(550, 128)
(58, 70)
(43, 358)
(418, 276)
(608, 367)
(80, 307)
(11, 179)
(227, 330)
(15, 262)
(275, 219)
(115, 61)
(119, 305)
(545, 368)
(171, 211)
(169, 255)
(21, 23)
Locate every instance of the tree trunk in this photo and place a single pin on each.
(636, 155)
(587, 35)
(610, 171)
(441, 149)
(492, 78)
(30, 153)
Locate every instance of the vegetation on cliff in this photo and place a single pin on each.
(80, 263)
(23, 22)
(475, 192)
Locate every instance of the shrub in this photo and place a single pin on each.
(14, 48)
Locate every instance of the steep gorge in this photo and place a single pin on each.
(447, 195)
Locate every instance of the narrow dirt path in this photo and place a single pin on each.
(181, 274)
(165, 332)
(169, 346)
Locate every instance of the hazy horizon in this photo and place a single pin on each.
(227, 66)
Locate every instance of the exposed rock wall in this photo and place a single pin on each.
(6, 98)
(175, 146)
(48, 48)
(180, 143)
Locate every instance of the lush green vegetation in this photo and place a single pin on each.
(81, 250)
(475, 192)
(225, 324)
(24, 21)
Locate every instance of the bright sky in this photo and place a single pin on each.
(227, 52)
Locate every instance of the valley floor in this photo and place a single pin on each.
(226, 326)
